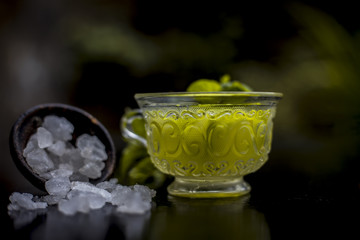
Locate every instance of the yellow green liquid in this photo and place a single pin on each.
(209, 142)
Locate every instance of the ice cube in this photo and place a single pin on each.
(58, 148)
(44, 137)
(91, 147)
(60, 127)
(92, 169)
(58, 186)
(39, 161)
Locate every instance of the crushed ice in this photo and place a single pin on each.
(68, 168)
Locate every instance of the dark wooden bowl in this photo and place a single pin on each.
(29, 121)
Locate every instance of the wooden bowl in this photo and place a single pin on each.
(26, 125)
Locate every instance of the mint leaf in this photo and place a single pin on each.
(204, 85)
(225, 79)
(235, 86)
(225, 84)
(131, 154)
(145, 173)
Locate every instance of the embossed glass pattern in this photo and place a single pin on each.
(208, 141)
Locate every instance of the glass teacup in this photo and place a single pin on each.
(207, 140)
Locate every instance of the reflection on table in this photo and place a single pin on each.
(170, 218)
(228, 218)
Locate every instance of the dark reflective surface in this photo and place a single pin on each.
(98, 224)
(282, 205)
(97, 54)
(229, 218)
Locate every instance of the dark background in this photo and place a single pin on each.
(97, 54)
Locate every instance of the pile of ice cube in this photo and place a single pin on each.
(68, 168)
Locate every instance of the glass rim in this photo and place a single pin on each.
(232, 94)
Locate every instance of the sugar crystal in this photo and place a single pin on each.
(60, 172)
(91, 147)
(31, 145)
(72, 156)
(58, 148)
(88, 187)
(108, 185)
(24, 200)
(39, 161)
(120, 195)
(79, 177)
(60, 127)
(92, 169)
(145, 192)
(51, 199)
(134, 204)
(73, 205)
(58, 186)
(44, 137)
(67, 169)
(95, 201)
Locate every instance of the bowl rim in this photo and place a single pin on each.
(171, 99)
(210, 94)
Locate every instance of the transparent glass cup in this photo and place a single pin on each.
(207, 140)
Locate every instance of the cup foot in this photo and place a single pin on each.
(208, 188)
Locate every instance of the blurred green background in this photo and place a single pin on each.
(97, 54)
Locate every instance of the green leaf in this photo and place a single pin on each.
(225, 79)
(235, 86)
(204, 85)
(135, 167)
(131, 154)
(145, 173)
(210, 85)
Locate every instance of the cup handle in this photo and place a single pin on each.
(126, 126)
